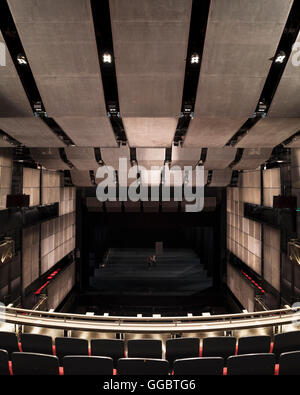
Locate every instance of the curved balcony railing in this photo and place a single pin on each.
(126, 324)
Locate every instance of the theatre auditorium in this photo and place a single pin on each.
(149, 188)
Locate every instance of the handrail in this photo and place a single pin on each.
(120, 324)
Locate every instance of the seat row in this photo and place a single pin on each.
(179, 348)
(24, 363)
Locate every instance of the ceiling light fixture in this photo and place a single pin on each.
(280, 57)
(22, 60)
(107, 58)
(195, 58)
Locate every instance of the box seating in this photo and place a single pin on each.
(199, 366)
(254, 344)
(182, 348)
(141, 366)
(289, 363)
(9, 342)
(285, 342)
(251, 364)
(70, 346)
(219, 346)
(4, 369)
(144, 348)
(87, 365)
(40, 344)
(113, 348)
(30, 364)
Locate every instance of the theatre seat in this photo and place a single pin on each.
(251, 364)
(36, 343)
(4, 369)
(199, 366)
(112, 348)
(219, 346)
(9, 342)
(143, 367)
(254, 344)
(30, 364)
(285, 342)
(87, 365)
(70, 346)
(144, 348)
(182, 348)
(289, 363)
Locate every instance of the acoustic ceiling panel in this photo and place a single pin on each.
(219, 158)
(81, 178)
(148, 157)
(241, 37)
(13, 99)
(151, 177)
(211, 132)
(221, 178)
(32, 132)
(150, 44)
(88, 131)
(82, 158)
(185, 156)
(111, 156)
(270, 132)
(286, 101)
(252, 158)
(60, 44)
(150, 132)
(49, 158)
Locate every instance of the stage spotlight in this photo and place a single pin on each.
(195, 58)
(280, 57)
(107, 58)
(22, 60)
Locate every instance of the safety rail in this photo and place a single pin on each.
(123, 324)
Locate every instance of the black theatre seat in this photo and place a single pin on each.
(36, 343)
(141, 366)
(199, 366)
(254, 344)
(182, 348)
(251, 364)
(87, 365)
(285, 342)
(112, 348)
(30, 364)
(219, 346)
(144, 348)
(9, 342)
(289, 363)
(4, 370)
(70, 346)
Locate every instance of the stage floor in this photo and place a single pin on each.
(178, 272)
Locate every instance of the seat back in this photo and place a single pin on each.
(286, 342)
(70, 346)
(182, 348)
(251, 364)
(144, 348)
(9, 342)
(30, 364)
(289, 363)
(199, 366)
(112, 348)
(40, 344)
(87, 365)
(141, 366)
(219, 346)
(4, 369)
(254, 344)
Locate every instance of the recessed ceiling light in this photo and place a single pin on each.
(107, 58)
(21, 59)
(195, 58)
(280, 57)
